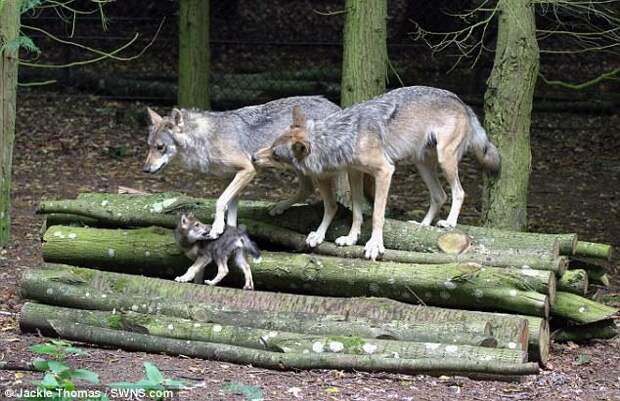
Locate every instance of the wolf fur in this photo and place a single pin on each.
(192, 237)
(222, 143)
(428, 127)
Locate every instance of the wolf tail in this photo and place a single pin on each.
(486, 153)
(251, 248)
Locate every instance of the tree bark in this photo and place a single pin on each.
(508, 107)
(194, 54)
(153, 251)
(277, 360)
(9, 31)
(91, 289)
(35, 317)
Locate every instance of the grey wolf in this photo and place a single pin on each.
(222, 143)
(192, 237)
(429, 127)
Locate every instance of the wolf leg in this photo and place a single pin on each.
(222, 271)
(383, 177)
(304, 190)
(450, 167)
(330, 207)
(197, 268)
(356, 182)
(241, 180)
(242, 263)
(231, 212)
(428, 172)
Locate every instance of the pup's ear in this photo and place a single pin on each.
(177, 117)
(299, 118)
(153, 116)
(183, 219)
(301, 149)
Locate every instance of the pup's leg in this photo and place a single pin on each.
(447, 155)
(383, 177)
(222, 271)
(304, 190)
(330, 207)
(241, 180)
(196, 269)
(242, 263)
(356, 182)
(231, 213)
(428, 172)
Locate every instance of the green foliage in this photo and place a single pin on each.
(154, 384)
(23, 42)
(28, 5)
(57, 349)
(251, 393)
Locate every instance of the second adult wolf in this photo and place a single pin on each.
(222, 143)
(429, 127)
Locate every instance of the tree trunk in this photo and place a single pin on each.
(508, 107)
(9, 31)
(35, 317)
(364, 62)
(153, 251)
(278, 360)
(194, 54)
(92, 289)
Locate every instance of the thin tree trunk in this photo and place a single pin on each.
(9, 31)
(508, 107)
(194, 54)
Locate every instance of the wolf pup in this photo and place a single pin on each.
(192, 237)
(222, 143)
(428, 127)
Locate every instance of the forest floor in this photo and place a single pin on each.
(68, 144)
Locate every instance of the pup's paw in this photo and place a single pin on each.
(314, 238)
(373, 248)
(346, 240)
(249, 286)
(209, 282)
(445, 224)
(184, 278)
(279, 208)
(216, 229)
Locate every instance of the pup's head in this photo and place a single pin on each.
(162, 143)
(193, 229)
(290, 147)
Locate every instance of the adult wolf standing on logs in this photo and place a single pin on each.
(222, 143)
(427, 126)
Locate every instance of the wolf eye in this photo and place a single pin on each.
(196, 224)
(160, 147)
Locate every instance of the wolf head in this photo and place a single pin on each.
(293, 145)
(163, 132)
(192, 229)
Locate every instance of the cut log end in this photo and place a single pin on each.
(544, 343)
(454, 243)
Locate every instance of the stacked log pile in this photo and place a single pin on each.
(470, 301)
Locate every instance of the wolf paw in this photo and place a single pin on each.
(445, 224)
(209, 282)
(346, 240)
(373, 248)
(184, 278)
(216, 229)
(249, 286)
(314, 238)
(279, 208)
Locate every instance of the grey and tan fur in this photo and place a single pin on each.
(192, 237)
(222, 143)
(430, 127)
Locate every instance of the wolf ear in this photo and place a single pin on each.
(177, 117)
(300, 149)
(183, 219)
(299, 118)
(153, 116)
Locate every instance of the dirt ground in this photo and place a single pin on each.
(68, 144)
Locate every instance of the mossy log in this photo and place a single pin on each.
(35, 317)
(579, 309)
(601, 330)
(596, 268)
(162, 210)
(575, 281)
(209, 323)
(153, 251)
(278, 360)
(93, 289)
(594, 250)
